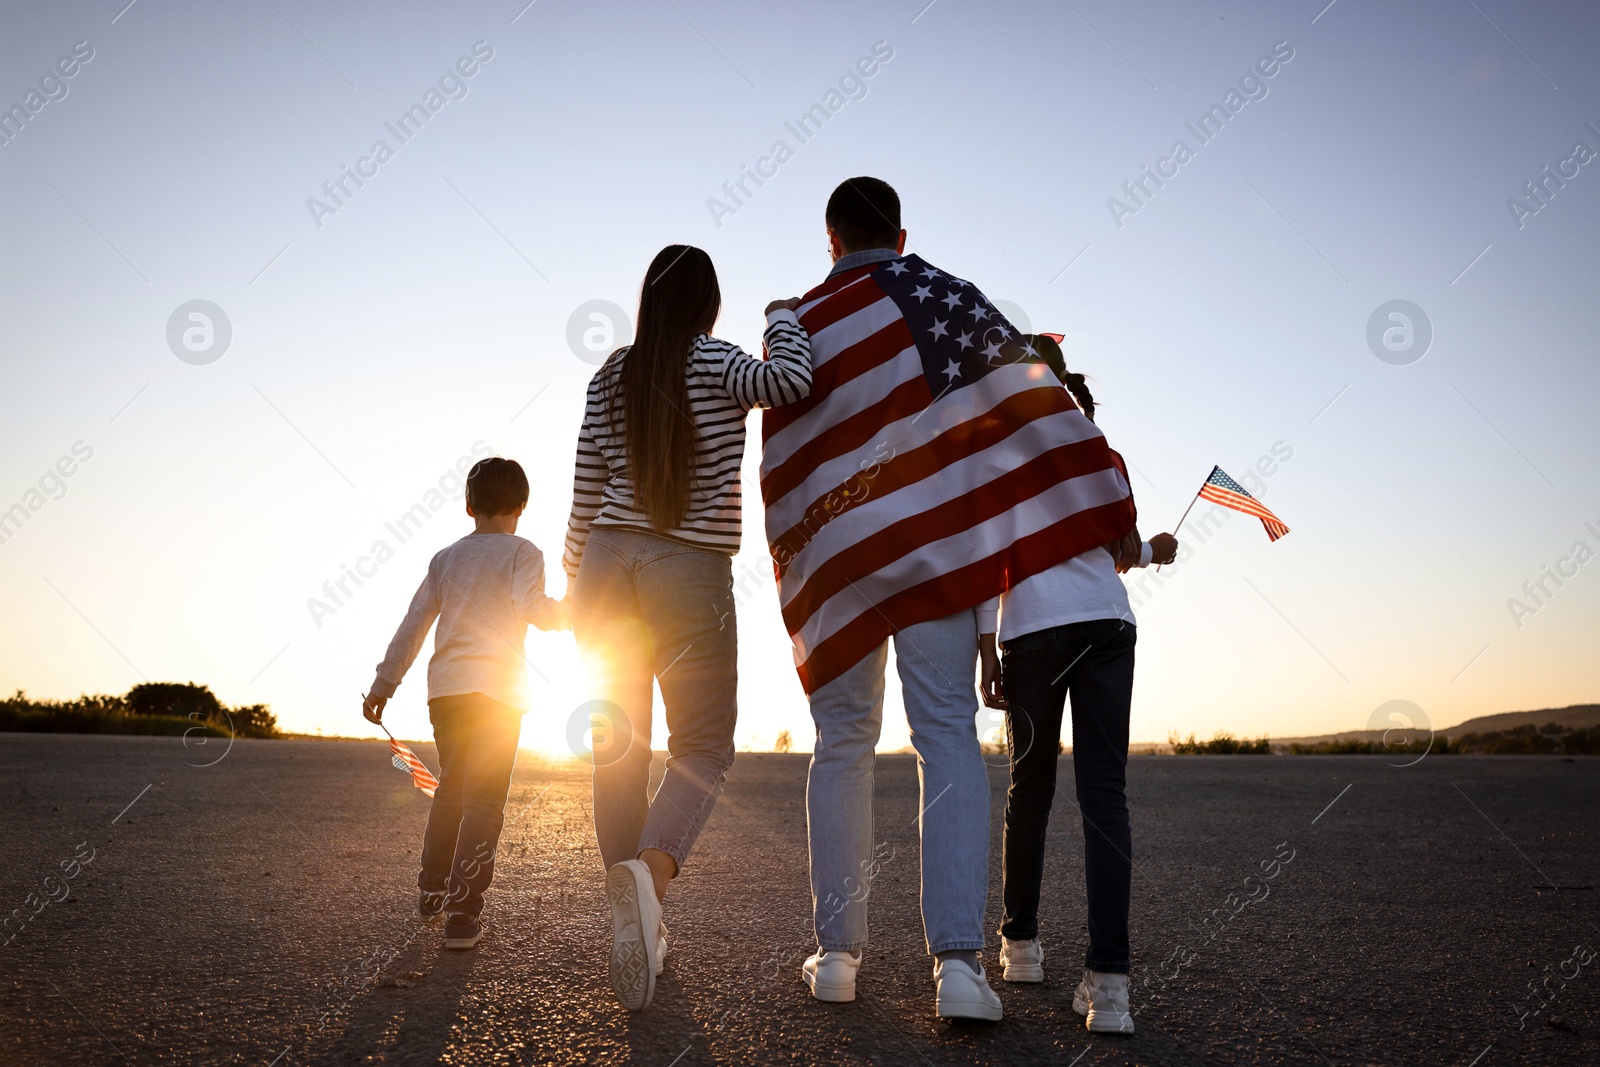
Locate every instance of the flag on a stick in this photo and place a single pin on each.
(407, 760)
(1221, 489)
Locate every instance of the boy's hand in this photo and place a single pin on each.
(1163, 548)
(989, 686)
(372, 708)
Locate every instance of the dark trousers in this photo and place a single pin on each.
(1093, 661)
(477, 741)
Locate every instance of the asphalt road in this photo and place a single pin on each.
(256, 911)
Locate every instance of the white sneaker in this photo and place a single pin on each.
(1021, 961)
(831, 976)
(1102, 999)
(661, 947)
(964, 993)
(635, 928)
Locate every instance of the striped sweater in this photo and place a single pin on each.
(725, 382)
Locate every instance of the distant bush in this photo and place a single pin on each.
(1224, 744)
(161, 708)
(254, 720)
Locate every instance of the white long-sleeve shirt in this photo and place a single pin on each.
(1081, 589)
(724, 383)
(484, 590)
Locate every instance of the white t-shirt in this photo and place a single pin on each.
(1081, 589)
(484, 590)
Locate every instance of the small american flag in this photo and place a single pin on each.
(936, 463)
(407, 760)
(1221, 489)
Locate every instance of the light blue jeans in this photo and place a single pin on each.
(658, 610)
(936, 663)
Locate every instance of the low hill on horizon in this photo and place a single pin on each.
(1575, 716)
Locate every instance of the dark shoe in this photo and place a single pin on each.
(462, 931)
(430, 906)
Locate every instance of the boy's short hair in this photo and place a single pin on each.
(496, 486)
(864, 213)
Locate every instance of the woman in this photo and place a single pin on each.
(655, 524)
(1070, 629)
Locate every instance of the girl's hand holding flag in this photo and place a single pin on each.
(1163, 548)
(1128, 553)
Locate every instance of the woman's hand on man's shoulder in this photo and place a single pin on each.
(791, 304)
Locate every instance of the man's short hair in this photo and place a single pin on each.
(864, 213)
(496, 486)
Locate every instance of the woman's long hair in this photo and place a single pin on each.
(678, 301)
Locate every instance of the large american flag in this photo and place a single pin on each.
(1221, 489)
(936, 463)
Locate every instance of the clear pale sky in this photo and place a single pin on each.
(372, 346)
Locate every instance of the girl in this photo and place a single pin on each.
(1070, 629)
(655, 523)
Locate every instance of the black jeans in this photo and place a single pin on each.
(477, 741)
(1094, 662)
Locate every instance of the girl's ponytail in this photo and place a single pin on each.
(1050, 352)
(1080, 392)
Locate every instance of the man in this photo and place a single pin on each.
(932, 466)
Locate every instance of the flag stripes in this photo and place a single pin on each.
(421, 777)
(1221, 489)
(935, 463)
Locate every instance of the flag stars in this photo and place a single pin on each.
(955, 350)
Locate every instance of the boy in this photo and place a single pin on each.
(484, 589)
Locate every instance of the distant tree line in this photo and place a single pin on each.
(148, 708)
